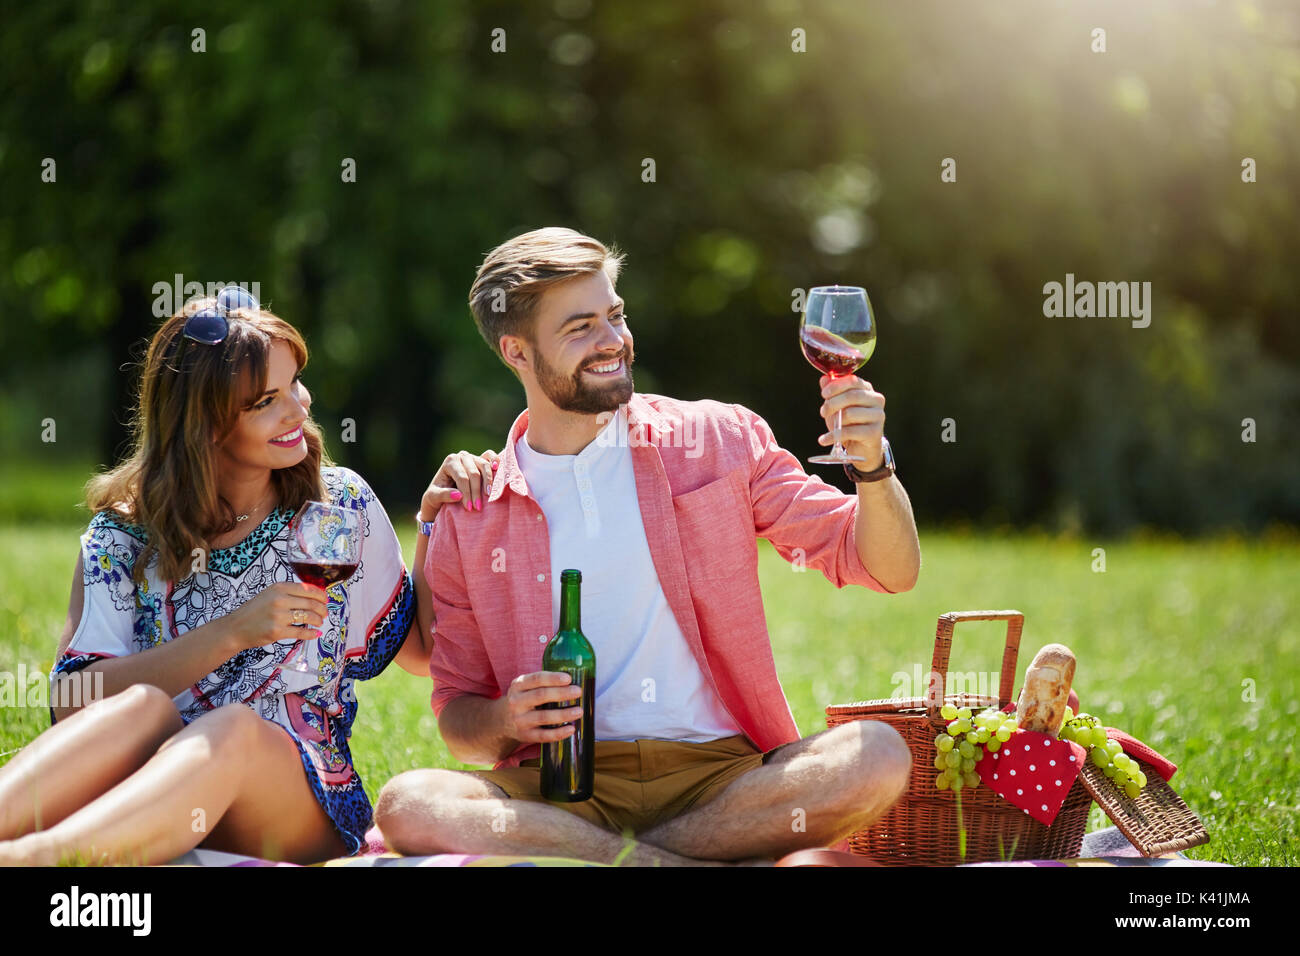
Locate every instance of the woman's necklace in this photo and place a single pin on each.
(240, 519)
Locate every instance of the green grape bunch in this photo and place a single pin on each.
(1087, 731)
(965, 740)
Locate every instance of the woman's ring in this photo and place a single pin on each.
(299, 615)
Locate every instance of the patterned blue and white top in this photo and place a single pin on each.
(369, 616)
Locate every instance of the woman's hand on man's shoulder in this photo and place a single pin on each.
(463, 479)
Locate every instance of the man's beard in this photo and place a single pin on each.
(577, 394)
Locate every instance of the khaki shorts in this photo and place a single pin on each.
(642, 783)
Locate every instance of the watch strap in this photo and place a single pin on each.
(884, 471)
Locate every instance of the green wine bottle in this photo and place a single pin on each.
(569, 765)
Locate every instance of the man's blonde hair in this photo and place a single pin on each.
(516, 273)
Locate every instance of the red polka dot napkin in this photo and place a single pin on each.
(1034, 771)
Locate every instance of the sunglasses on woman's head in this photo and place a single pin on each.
(209, 325)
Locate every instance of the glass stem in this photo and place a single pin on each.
(839, 451)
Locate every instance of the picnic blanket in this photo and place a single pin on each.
(1106, 847)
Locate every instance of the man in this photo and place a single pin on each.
(658, 503)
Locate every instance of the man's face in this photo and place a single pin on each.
(582, 348)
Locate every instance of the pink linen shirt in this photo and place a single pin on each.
(710, 478)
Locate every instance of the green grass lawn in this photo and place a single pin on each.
(1173, 641)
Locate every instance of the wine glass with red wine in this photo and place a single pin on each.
(324, 549)
(838, 334)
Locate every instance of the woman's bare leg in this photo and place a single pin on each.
(230, 780)
(82, 757)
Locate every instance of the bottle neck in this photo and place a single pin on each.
(571, 606)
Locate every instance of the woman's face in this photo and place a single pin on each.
(268, 433)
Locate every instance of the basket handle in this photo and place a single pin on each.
(943, 646)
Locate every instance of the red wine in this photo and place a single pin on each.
(832, 354)
(322, 575)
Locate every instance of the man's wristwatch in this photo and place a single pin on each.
(884, 471)
(426, 527)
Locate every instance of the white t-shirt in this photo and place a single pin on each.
(648, 683)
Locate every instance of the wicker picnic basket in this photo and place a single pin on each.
(922, 828)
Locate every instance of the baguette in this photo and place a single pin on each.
(1041, 706)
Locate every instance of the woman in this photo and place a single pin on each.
(184, 601)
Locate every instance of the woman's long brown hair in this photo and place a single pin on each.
(190, 399)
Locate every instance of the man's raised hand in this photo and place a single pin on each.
(863, 424)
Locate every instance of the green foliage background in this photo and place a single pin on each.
(775, 170)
